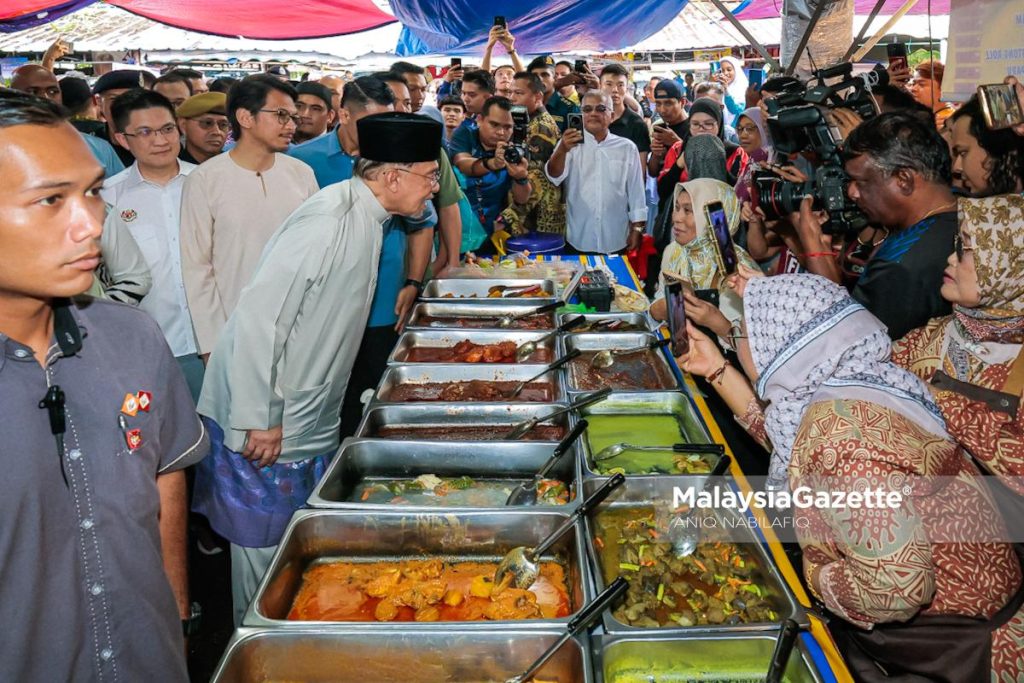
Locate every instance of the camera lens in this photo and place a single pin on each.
(777, 197)
(513, 155)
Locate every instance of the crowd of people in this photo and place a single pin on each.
(264, 240)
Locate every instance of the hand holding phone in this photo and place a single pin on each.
(574, 121)
(675, 306)
(897, 53)
(756, 78)
(718, 224)
(500, 21)
(1000, 106)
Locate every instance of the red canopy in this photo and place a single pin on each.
(258, 19)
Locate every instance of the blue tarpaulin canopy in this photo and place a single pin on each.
(540, 26)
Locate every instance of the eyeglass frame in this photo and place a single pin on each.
(706, 127)
(214, 123)
(959, 248)
(282, 114)
(595, 108)
(147, 133)
(434, 177)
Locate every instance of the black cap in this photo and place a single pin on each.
(74, 92)
(398, 137)
(542, 62)
(667, 89)
(278, 70)
(314, 88)
(124, 79)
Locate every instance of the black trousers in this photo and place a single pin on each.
(371, 362)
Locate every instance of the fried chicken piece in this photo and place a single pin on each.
(502, 352)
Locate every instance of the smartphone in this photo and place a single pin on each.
(756, 78)
(500, 21)
(675, 305)
(520, 124)
(897, 55)
(575, 121)
(719, 226)
(715, 67)
(1000, 106)
(581, 66)
(711, 296)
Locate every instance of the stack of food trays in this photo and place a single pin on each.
(386, 577)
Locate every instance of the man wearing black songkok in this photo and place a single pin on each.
(275, 382)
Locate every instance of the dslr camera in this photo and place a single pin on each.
(797, 123)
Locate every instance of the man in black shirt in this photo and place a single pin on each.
(900, 175)
(625, 123)
(674, 126)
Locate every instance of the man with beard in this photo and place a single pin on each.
(203, 122)
(234, 202)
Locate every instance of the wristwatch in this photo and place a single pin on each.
(521, 181)
(190, 626)
(414, 283)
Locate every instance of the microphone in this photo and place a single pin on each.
(53, 403)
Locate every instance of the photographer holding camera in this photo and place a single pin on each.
(492, 165)
(900, 174)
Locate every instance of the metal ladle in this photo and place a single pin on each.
(526, 493)
(506, 320)
(523, 428)
(551, 368)
(606, 358)
(527, 349)
(520, 564)
(617, 449)
(577, 625)
(685, 536)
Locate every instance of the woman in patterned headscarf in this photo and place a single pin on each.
(926, 591)
(981, 342)
(692, 254)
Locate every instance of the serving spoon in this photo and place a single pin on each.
(606, 358)
(526, 492)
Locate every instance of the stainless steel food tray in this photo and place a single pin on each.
(616, 342)
(710, 658)
(316, 655)
(641, 492)
(640, 403)
(464, 290)
(426, 372)
(642, 320)
(503, 415)
(316, 535)
(473, 310)
(358, 459)
(446, 339)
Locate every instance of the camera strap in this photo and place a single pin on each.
(1006, 401)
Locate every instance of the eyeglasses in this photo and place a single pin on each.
(283, 116)
(434, 177)
(960, 247)
(746, 129)
(146, 133)
(589, 109)
(207, 124)
(707, 127)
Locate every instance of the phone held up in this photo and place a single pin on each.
(500, 21)
(675, 306)
(581, 66)
(575, 120)
(897, 53)
(1000, 106)
(719, 226)
(756, 78)
(715, 67)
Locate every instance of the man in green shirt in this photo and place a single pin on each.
(558, 106)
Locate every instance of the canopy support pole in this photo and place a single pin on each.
(864, 29)
(746, 34)
(907, 6)
(818, 11)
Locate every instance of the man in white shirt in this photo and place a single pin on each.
(234, 202)
(606, 208)
(145, 201)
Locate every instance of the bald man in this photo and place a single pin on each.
(36, 80)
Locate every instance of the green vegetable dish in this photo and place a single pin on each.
(719, 584)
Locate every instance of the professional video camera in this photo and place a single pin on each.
(798, 123)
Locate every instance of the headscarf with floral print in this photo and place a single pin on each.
(992, 331)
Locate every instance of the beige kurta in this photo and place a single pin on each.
(227, 215)
(285, 355)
